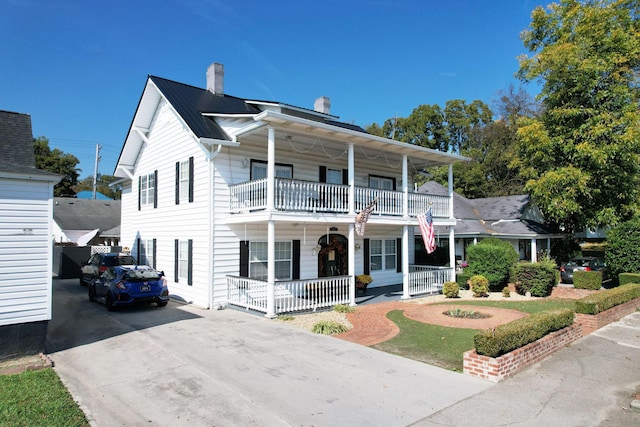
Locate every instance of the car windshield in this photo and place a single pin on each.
(141, 275)
(578, 263)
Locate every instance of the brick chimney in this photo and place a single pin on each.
(322, 105)
(215, 79)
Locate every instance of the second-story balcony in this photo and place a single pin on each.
(307, 196)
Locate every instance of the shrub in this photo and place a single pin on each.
(343, 308)
(537, 278)
(451, 289)
(506, 292)
(492, 258)
(329, 327)
(479, 286)
(604, 300)
(623, 254)
(505, 338)
(462, 280)
(587, 279)
(625, 278)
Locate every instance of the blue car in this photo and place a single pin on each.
(128, 284)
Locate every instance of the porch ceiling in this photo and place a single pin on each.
(303, 134)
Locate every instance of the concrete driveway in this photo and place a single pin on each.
(180, 365)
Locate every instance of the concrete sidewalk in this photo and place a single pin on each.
(590, 383)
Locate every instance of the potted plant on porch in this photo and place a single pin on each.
(362, 281)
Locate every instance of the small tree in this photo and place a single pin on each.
(492, 258)
(623, 254)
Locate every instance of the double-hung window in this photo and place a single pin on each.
(147, 249)
(382, 254)
(259, 170)
(381, 182)
(147, 189)
(258, 260)
(184, 181)
(183, 266)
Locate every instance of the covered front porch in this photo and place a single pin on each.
(312, 294)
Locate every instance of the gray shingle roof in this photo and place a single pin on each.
(83, 214)
(16, 142)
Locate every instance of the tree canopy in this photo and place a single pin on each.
(580, 157)
(57, 161)
(102, 186)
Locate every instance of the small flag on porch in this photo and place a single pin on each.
(426, 228)
(363, 217)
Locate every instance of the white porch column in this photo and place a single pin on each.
(271, 269)
(452, 252)
(405, 262)
(352, 264)
(352, 180)
(534, 250)
(271, 169)
(450, 188)
(405, 187)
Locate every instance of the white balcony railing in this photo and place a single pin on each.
(309, 196)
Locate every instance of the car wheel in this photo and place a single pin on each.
(92, 295)
(109, 302)
(161, 303)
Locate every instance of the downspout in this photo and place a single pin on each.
(212, 155)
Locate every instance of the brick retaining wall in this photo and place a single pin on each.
(592, 322)
(496, 369)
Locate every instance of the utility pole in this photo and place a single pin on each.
(95, 170)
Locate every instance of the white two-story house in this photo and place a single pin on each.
(253, 203)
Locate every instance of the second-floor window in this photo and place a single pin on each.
(147, 190)
(259, 170)
(381, 182)
(382, 254)
(184, 181)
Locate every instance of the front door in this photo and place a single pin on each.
(332, 259)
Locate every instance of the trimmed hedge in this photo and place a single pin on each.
(604, 300)
(450, 289)
(505, 338)
(538, 278)
(492, 258)
(587, 280)
(624, 278)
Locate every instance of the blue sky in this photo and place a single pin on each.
(78, 67)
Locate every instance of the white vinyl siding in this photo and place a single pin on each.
(25, 251)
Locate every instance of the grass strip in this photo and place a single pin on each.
(436, 345)
(524, 306)
(37, 398)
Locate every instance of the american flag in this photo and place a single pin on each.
(426, 228)
(363, 217)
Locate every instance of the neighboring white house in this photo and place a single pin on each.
(510, 218)
(86, 221)
(254, 202)
(26, 199)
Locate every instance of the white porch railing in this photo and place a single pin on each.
(426, 279)
(290, 296)
(310, 196)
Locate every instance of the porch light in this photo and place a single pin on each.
(357, 246)
(245, 162)
(317, 250)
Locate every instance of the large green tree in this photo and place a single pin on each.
(580, 158)
(57, 161)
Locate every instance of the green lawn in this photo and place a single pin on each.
(37, 398)
(443, 346)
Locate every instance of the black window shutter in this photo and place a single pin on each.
(399, 255)
(155, 189)
(244, 258)
(190, 262)
(177, 183)
(176, 260)
(323, 174)
(154, 253)
(295, 267)
(139, 192)
(367, 266)
(394, 184)
(138, 241)
(345, 176)
(190, 179)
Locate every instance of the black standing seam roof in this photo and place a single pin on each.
(190, 102)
